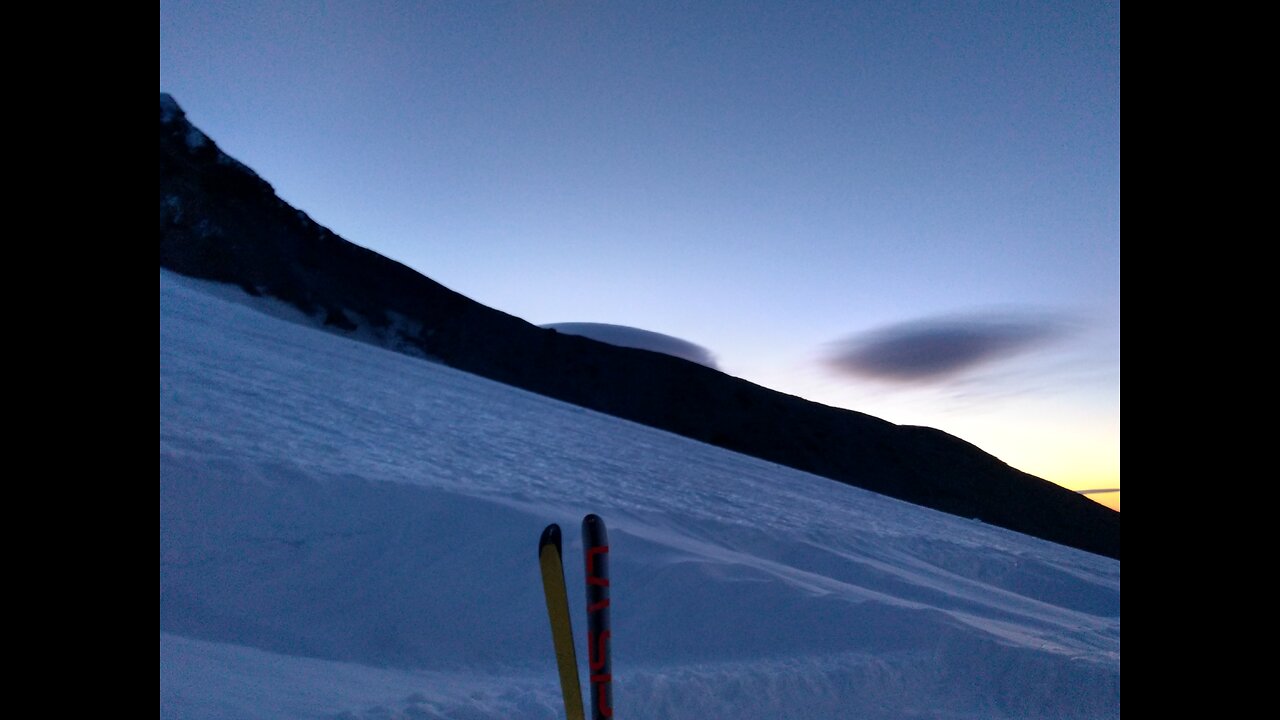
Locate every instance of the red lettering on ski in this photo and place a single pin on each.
(591, 556)
(602, 688)
(595, 651)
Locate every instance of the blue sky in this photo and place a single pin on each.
(814, 192)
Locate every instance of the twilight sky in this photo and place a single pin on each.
(910, 209)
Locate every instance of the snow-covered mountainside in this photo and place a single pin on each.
(220, 221)
(348, 532)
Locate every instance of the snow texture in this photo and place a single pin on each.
(347, 532)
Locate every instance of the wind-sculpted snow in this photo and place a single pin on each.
(347, 532)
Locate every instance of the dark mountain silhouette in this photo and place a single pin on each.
(220, 221)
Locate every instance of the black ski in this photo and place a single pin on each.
(552, 564)
(595, 548)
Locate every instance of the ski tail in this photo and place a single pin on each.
(595, 548)
(551, 561)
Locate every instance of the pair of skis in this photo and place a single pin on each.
(595, 550)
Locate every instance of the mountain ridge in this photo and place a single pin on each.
(220, 221)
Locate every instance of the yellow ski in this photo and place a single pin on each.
(552, 563)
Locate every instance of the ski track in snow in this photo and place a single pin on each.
(347, 532)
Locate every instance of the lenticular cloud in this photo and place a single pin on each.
(935, 349)
(630, 337)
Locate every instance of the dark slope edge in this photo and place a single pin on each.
(220, 221)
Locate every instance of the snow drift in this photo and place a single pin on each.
(348, 532)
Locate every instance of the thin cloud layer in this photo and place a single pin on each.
(932, 350)
(630, 337)
(1098, 491)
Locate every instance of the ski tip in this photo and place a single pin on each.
(550, 536)
(593, 527)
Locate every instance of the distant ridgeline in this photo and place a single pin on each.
(220, 221)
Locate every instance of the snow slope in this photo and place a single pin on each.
(346, 532)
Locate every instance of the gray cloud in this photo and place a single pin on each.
(932, 350)
(630, 337)
(1098, 491)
